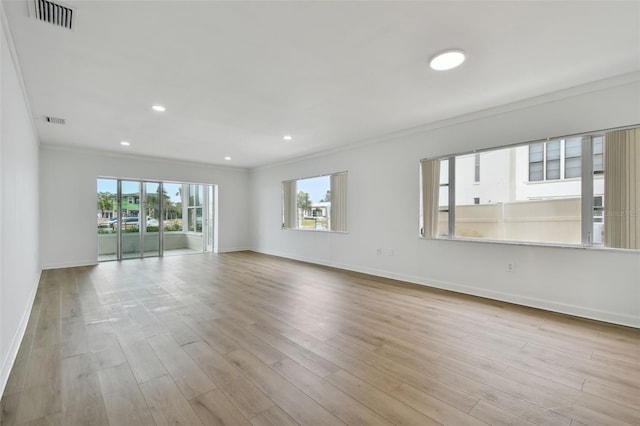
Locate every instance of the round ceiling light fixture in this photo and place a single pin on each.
(287, 137)
(447, 60)
(227, 158)
(158, 108)
(125, 143)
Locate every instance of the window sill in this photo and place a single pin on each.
(533, 244)
(323, 231)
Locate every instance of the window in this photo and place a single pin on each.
(315, 203)
(194, 208)
(573, 158)
(574, 202)
(598, 155)
(562, 159)
(536, 162)
(553, 160)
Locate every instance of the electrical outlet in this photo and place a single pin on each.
(378, 251)
(511, 266)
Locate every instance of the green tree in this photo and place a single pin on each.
(304, 202)
(327, 197)
(105, 202)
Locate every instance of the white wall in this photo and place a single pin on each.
(19, 263)
(68, 200)
(601, 284)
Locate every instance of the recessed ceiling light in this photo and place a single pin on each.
(227, 158)
(125, 143)
(158, 108)
(447, 60)
(287, 137)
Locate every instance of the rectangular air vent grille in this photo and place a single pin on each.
(53, 13)
(54, 120)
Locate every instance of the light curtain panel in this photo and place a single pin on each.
(621, 186)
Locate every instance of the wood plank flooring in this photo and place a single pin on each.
(248, 339)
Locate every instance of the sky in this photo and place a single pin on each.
(316, 187)
(110, 185)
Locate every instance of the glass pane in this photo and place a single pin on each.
(536, 162)
(152, 220)
(314, 202)
(553, 169)
(536, 153)
(178, 238)
(573, 147)
(598, 154)
(511, 208)
(553, 150)
(573, 167)
(192, 219)
(199, 195)
(173, 205)
(536, 173)
(129, 222)
(199, 219)
(573, 158)
(192, 195)
(107, 212)
(599, 177)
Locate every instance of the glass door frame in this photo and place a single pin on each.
(209, 216)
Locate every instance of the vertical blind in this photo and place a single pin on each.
(338, 215)
(430, 195)
(621, 186)
(289, 204)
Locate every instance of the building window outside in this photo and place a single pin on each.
(553, 160)
(536, 162)
(598, 155)
(561, 159)
(573, 158)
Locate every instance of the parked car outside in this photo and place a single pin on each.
(133, 220)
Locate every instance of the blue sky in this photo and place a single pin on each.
(316, 187)
(110, 185)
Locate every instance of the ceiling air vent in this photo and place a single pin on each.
(54, 120)
(53, 13)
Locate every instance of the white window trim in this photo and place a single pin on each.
(297, 228)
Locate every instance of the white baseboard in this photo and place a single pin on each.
(73, 264)
(232, 249)
(548, 305)
(7, 363)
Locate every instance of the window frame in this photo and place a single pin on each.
(588, 173)
(328, 212)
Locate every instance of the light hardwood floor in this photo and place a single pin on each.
(247, 339)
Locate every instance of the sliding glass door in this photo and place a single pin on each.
(138, 219)
(128, 220)
(151, 221)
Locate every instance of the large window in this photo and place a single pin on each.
(581, 190)
(315, 203)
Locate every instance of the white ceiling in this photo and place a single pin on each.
(237, 76)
